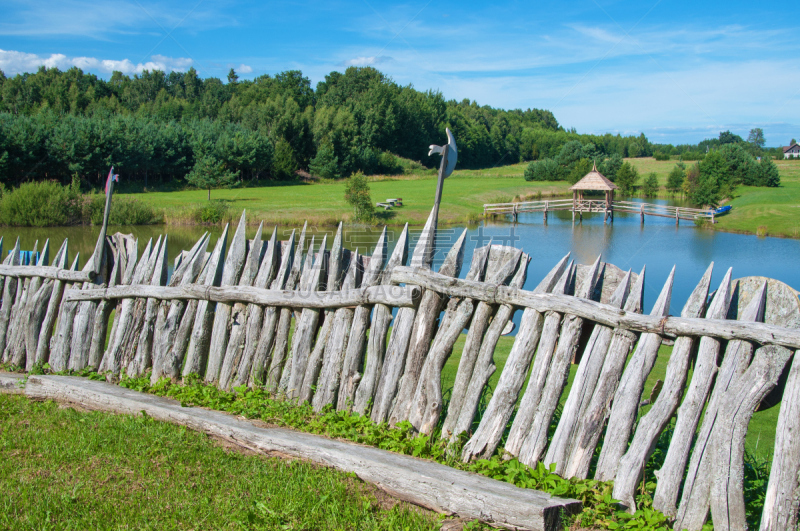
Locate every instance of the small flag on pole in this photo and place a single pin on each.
(111, 177)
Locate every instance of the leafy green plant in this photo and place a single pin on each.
(211, 212)
(40, 204)
(356, 193)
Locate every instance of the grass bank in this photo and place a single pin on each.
(322, 203)
(67, 469)
(756, 210)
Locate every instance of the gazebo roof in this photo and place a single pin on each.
(594, 180)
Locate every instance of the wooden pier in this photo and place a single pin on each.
(578, 207)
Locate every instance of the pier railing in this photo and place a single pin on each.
(227, 315)
(581, 206)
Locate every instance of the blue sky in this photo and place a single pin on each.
(677, 71)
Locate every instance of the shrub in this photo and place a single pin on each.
(124, 211)
(676, 177)
(41, 204)
(542, 170)
(626, 178)
(211, 212)
(650, 185)
(356, 193)
(658, 155)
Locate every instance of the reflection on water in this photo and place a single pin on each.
(627, 243)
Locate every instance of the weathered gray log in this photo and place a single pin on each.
(100, 323)
(263, 337)
(357, 342)
(669, 327)
(124, 308)
(59, 342)
(51, 272)
(432, 485)
(306, 327)
(9, 295)
(125, 252)
(629, 391)
(15, 344)
(143, 358)
(53, 304)
(394, 360)
(334, 281)
(583, 385)
(254, 316)
(234, 264)
(31, 315)
(37, 310)
(183, 337)
(705, 367)
(129, 335)
(781, 502)
(426, 406)
(523, 420)
(267, 273)
(280, 365)
(515, 268)
(302, 284)
(425, 324)
(487, 437)
(472, 344)
(167, 359)
(737, 408)
(342, 321)
(652, 424)
(87, 310)
(197, 352)
(12, 383)
(696, 498)
(590, 426)
(237, 325)
(535, 443)
(379, 327)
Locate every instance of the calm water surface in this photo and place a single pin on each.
(658, 244)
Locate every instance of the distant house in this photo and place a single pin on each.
(791, 151)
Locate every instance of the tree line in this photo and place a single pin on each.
(159, 129)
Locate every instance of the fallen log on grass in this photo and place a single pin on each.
(422, 482)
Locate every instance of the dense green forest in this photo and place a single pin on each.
(159, 129)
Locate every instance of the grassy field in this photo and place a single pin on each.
(765, 211)
(66, 469)
(756, 210)
(323, 203)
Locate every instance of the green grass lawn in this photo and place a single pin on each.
(771, 211)
(323, 203)
(756, 210)
(65, 469)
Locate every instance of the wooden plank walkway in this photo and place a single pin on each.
(580, 207)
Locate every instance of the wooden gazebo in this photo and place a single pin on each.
(594, 180)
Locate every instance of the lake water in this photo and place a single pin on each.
(627, 243)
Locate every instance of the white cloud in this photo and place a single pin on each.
(245, 69)
(366, 61)
(13, 62)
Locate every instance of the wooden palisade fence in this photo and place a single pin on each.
(226, 316)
